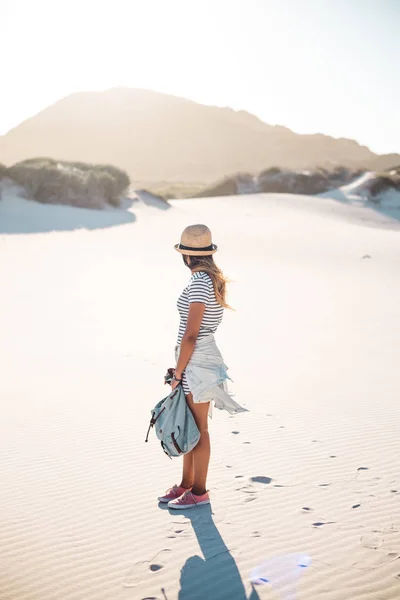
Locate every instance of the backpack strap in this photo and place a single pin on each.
(175, 443)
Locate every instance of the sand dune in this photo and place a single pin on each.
(88, 324)
(358, 193)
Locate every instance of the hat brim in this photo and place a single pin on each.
(196, 252)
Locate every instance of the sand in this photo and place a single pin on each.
(88, 324)
(358, 193)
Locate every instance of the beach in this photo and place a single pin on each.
(88, 324)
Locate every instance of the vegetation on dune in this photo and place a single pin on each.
(227, 187)
(385, 181)
(74, 183)
(98, 185)
(270, 171)
(174, 190)
(284, 181)
(3, 170)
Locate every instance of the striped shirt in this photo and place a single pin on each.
(200, 289)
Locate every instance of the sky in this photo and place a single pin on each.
(328, 66)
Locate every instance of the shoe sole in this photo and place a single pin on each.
(184, 506)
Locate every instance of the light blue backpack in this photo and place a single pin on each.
(174, 424)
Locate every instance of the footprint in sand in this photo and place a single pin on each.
(356, 505)
(239, 476)
(235, 432)
(176, 533)
(140, 570)
(246, 442)
(362, 468)
(306, 509)
(261, 479)
(247, 489)
(373, 540)
(320, 523)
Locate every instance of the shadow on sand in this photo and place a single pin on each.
(20, 216)
(216, 576)
(152, 200)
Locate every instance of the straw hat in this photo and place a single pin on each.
(196, 241)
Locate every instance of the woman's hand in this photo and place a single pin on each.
(175, 382)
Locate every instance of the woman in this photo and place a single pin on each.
(200, 368)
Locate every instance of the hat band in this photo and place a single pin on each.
(182, 247)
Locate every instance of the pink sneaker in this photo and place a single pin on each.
(189, 500)
(173, 493)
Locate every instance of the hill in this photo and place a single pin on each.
(157, 137)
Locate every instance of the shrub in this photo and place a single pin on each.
(382, 183)
(175, 190)
(270, 172)
(3, 171)
(73, 183)
(227, 187)
(40, 161)
(120, 177)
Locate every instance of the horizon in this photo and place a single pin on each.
(330, 67)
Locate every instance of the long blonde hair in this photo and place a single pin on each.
(219, 281)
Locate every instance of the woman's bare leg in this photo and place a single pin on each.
(195, 467)
(188, 470)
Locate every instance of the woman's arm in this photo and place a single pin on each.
(196, 312)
